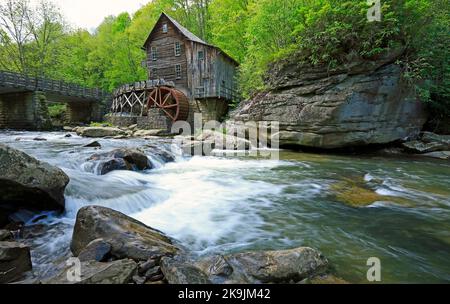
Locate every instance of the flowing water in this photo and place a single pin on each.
(229, 204)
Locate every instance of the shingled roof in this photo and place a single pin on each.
(188, 35)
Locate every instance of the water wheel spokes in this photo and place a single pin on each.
(172, 102)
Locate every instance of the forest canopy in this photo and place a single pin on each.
(254, 32)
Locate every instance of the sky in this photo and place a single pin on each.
(89, 14)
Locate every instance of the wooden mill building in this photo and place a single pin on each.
(203, 72)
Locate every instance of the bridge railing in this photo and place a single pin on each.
(18, 80)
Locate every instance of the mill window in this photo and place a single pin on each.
(177, 49)
(165, 28)
(154, 53)
(201, 55)
(178, 71)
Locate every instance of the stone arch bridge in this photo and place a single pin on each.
(24, 101)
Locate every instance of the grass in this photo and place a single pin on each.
(100, 124)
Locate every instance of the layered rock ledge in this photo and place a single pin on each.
(362, 103)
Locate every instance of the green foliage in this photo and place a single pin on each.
(57, 111)
(100, 124)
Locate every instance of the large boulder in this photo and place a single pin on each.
(128, 237)
(99, 131)
(26, 183)
(150, 133)
(120, 159)
(362, 103)
(92, 272)
(283, 266)
(15, 260)
(224, 141)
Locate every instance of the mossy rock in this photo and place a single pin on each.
(356, 193)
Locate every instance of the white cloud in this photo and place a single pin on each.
(89, 14)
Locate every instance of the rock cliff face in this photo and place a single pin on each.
(365, 102)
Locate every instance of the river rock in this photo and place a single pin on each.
(93, 272)
(149, 133)
(281, 266)
(98, 131)
(39, 139)
(361, 103)
(224, 141)
(157, 152)
(429, 137)
(128, 237)
(26, 183)
(143, 267)
(15, 260)
(428, 143)
(94, 144)
(421, 147)
(198, 148)
(444, 155)
(121, 159)
(97, 250)
(5, 235)
(182, 272)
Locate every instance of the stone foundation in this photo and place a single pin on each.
(24, 111)
(121, 121)
(156, 120)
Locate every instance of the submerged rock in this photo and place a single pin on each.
(92, 272)
(94, 144)
(282, 266)
(128, 237)
(356, 193)
(15, 260)
(98, 131)
(121, 159)
(26, 183)
(159, 153)
(362, 103)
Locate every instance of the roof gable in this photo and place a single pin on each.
(181, 29)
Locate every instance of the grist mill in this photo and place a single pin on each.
(186, 75)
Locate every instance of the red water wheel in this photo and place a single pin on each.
(171, 101)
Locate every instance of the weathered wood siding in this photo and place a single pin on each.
(199, 76)
(210, 74)
(225, 75)
(166, 60)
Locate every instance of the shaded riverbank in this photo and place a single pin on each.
(215, 205)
